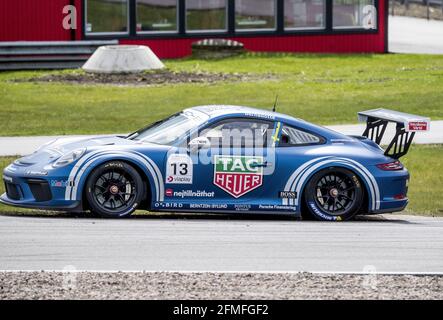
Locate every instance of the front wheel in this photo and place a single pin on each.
(334, 194)
(114, 190)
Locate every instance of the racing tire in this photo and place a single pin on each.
(114, 190)
(334, 194)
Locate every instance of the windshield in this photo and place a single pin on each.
(167, 131)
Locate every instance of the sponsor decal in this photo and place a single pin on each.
(189, 194)
(60, 183)
(322, 215)
(418, 126)
(179, 169)
(259, 115)
(287, 194)
(242, 207)
(213, 207)
(114, 164)
(36, 173)
(168, 205)
(238, 175)
(276, 207)
(207, 206)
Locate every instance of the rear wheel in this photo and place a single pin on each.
(334, 194)
(114, 190)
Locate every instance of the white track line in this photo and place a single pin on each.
(387, 273)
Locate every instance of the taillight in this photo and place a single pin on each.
(391, 166)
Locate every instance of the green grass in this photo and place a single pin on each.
(325, 89)
(425, 188)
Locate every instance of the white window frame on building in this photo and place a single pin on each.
(323, 16)
(252, 29)
(107, 32)
(225, 29)
(150, 32)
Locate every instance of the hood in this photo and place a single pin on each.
(53, 150)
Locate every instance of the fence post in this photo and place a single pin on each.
(427, 9)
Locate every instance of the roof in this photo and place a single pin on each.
(215, 111)
(223, 110)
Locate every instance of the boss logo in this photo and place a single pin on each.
(287, 194)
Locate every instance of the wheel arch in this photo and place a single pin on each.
(146, 176)
(368, 196)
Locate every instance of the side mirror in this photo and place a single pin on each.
(199, 143)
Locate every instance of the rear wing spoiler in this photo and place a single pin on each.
(406, 126)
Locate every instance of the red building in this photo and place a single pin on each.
(170, 26)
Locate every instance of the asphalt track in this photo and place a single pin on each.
(413, 35)
(383, 244)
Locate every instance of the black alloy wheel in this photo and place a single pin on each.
(114, 190)
(334, 194)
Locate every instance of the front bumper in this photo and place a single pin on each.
(51, 206)
(46, 192)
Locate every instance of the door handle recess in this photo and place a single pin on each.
(259, 165)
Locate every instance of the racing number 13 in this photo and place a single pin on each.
(181, 168)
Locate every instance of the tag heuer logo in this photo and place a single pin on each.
(238, 175)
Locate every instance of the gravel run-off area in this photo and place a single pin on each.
(269, 286)
(147, 78)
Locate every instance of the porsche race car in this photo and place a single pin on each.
(223, 159)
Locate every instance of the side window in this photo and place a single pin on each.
(291, 136)
(239, 133)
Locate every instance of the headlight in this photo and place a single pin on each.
(69, 158)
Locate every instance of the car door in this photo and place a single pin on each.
(234, 167)
(293, 150)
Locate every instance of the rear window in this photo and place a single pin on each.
(291, 136)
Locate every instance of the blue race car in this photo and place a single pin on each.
(223, 159)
